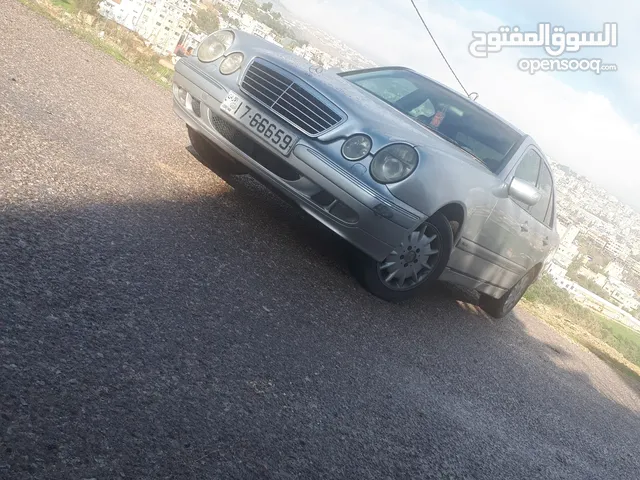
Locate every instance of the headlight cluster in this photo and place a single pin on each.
(394, 163)
(391, 164)
(215, 46)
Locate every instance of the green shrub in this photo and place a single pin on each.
(207, 21)
(614, 334)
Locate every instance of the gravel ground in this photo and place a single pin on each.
(157, 322)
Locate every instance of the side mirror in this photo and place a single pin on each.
(524, 192)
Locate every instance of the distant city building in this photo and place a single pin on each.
(602, 222)
(598, 278)
(635, 267)
(623, 294)
(596, 238)
(596, 303)
(161, 23)
(232, 4)
(617, 250)
(565, 254)
(556, 271)
(614, 270)
(570, 234)
(125, 12)
(250, 25)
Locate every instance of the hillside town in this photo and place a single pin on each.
(598, 260)
(176, 27)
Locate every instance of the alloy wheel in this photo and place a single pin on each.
(411, 263)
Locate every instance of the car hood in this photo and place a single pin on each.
(444, 167)
(363, 109)
(366, 109)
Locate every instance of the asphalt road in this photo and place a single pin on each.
(157, 322)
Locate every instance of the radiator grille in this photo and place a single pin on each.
(290, 98)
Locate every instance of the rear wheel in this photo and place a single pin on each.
(213, 157)
(411, 267)
(501, 307)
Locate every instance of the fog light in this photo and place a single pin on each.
(231, 63)
(344, 213)
(180, 93)
(383, 211)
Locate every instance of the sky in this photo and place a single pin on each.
(588, 122)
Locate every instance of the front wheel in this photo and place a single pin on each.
(412, 266)
(501, 307)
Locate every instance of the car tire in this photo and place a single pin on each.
(213, 157)
(376, 278)
(501, 307)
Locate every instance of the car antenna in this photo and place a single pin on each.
(438, 47)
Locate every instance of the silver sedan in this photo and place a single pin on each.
(424, 182)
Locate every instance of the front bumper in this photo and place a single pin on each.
(334, 196)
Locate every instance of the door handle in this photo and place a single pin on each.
(545, 242)
(524, 227)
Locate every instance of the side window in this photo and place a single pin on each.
(539, 210)
(550, 212)
(529, 167)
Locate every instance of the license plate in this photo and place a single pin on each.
(263, 125)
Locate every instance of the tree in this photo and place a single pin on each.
(223, 11)
(572, 270)
(249, 6)
(267, 6)
(593, 287)
(207, 21)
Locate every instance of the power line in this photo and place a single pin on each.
(437, 46)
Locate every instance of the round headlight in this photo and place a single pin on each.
(356, 147)
(214, 46)
(231, 63)
(394, 163)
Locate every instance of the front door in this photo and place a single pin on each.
(509, 232)
(542, 213)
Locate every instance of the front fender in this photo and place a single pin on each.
(443, 177)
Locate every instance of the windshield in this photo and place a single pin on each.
(456, 119)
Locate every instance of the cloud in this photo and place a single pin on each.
(580, 128)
